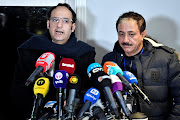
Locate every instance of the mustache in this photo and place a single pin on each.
(128, 44)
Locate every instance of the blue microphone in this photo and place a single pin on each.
(91, 96)
(60, 80)
(133, 80)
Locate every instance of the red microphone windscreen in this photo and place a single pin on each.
(68, 65)
(45, 60)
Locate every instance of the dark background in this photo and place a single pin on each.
(17, 24)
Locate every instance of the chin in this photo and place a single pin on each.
(59, 39)
(127, 50)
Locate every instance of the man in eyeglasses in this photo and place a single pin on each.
(61, 23)
(59, 39)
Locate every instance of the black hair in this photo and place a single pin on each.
(65, 5)
(135, 16)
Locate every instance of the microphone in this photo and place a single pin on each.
(51, 70)
(43, 64)
(41, 88)
(91, 96)
(111, 68)
(133, 80)
(116, 89)
(73, 85)
(50, 109)
(60, 80)
(97, 110)
(116, 83)
(98, 113)
(102, 82)
(68, 65)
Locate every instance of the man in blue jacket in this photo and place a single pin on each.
(58, 39)
(156, 67)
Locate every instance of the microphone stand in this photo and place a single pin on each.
(37, 104)
(59, 114)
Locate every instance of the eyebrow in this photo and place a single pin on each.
(61, 17)
(65, 18)
(120, 31)
(123, 32)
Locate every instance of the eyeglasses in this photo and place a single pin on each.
(56, 20)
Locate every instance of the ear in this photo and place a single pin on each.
(143, 34)
(48, 24)
(73, 27)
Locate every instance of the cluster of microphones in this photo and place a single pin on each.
(105, 100)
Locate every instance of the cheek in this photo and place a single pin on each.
(51, 31)
(69, 30)
(136, 44)
(137, 40)
(120, 41)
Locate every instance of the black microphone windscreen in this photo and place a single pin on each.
(100, 80)
(74, 82)
(98, 113)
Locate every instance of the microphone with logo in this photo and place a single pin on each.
(91, 96)
(102, 82)
(111, 68)
(60, 80)
(133, 80)
(68, 65)
(117, 87)
(73, 86)
(43, 64)
(41, 88)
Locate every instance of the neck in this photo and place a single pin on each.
(59, 42)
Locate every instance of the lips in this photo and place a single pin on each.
(59, 32)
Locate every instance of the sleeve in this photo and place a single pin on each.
(174, 88)
(22, 96)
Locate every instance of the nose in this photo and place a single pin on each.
(60, 24)
(126, 40)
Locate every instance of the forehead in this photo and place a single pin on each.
(61, 11)
(128, 24)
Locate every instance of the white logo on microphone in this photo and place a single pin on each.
(58, 76)
(89, 95)
(68, 65)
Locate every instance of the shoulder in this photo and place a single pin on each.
(166, 51)
(159, 46)
(162, 51)
(84, 48)
(36, 42)
(85, 45)
(111, 56)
